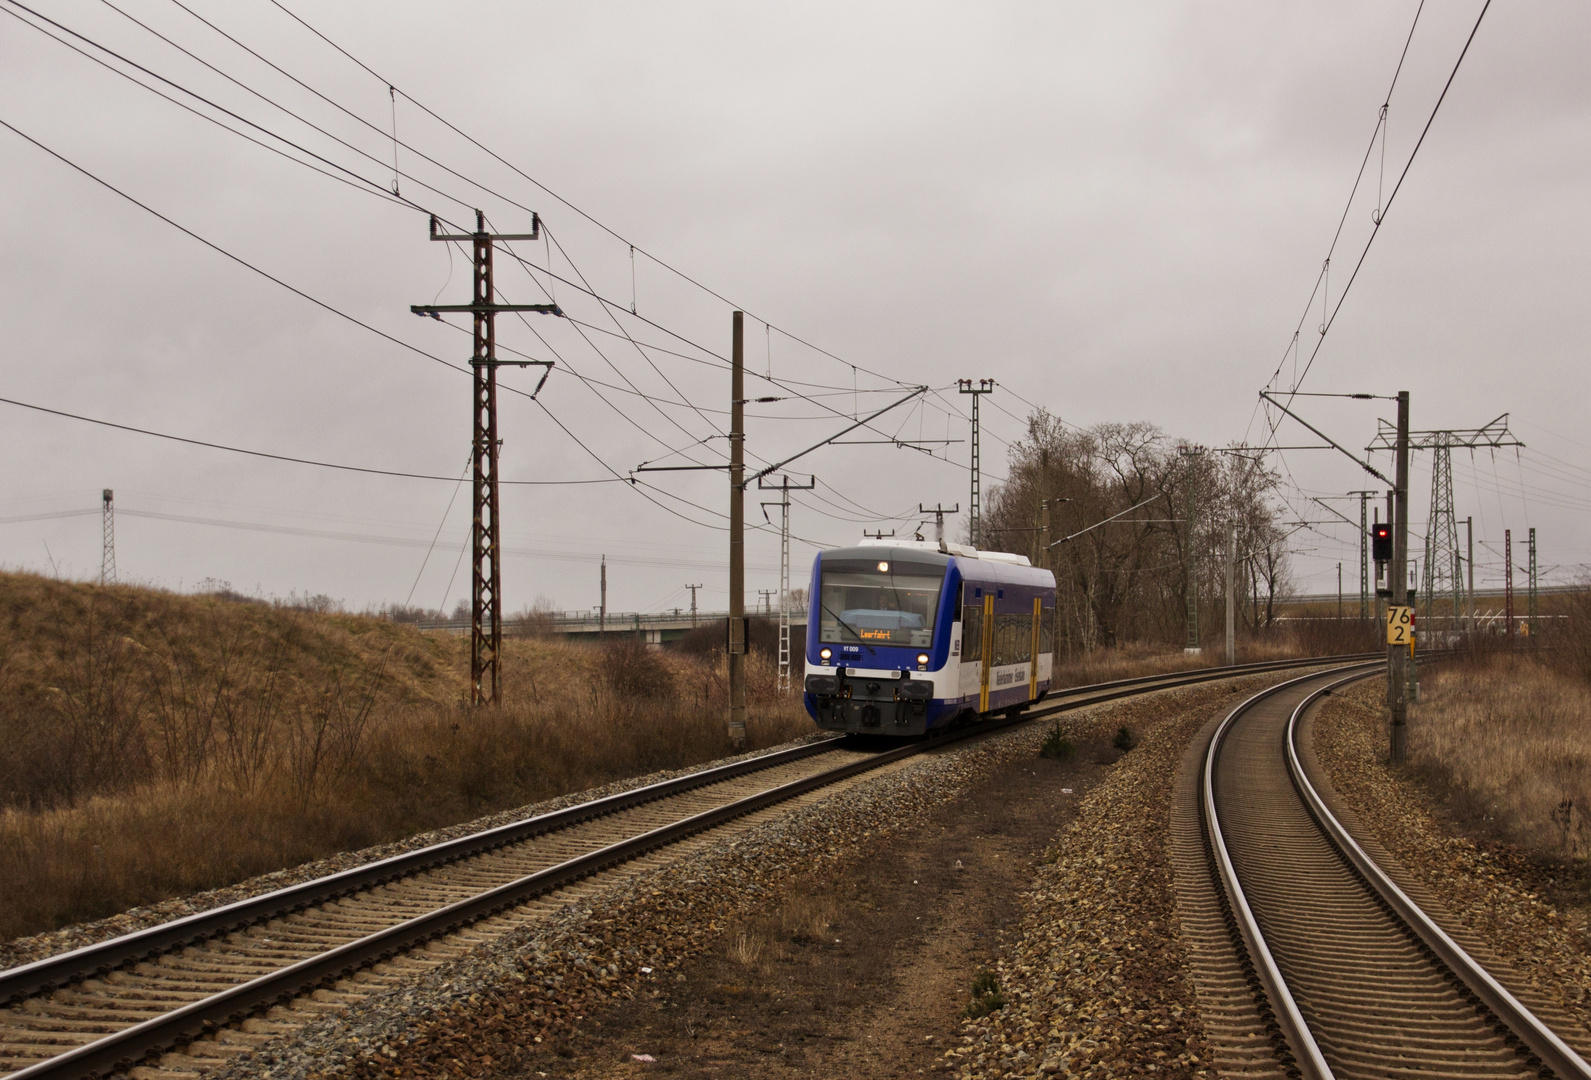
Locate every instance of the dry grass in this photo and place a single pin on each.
(1281, 642)
(1507, 738)
(153, 745)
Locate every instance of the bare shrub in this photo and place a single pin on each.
(94, 703)
(633, 671)
(537, 620)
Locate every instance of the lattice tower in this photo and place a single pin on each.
(1442, 583)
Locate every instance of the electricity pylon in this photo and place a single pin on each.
(1443, 573)
(107, 559)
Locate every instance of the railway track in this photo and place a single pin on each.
(1345, 975)
(195, 992)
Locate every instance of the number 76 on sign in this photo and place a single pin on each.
(1400, 626)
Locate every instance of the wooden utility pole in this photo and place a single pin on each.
(486, 577)
(737, 533)
(1398, 655)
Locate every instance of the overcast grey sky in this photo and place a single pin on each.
(1116, 211)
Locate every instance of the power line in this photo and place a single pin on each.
(582, 213)
(283, 457)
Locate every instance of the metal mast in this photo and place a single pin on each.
(107, 559)
(1442, 551)
(974, 515)
(486, 578)
(784, 487)
(1364, 553)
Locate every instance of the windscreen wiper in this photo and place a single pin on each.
(854, 632)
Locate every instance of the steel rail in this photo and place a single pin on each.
(102, 957)
(1284, 1008)
(1542, 1041)
(92, 960)
(130, 1045)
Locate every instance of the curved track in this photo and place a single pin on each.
(1357, 979)
(219, 982)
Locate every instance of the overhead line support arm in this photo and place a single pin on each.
(1365, 465)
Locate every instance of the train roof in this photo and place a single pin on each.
(924, 551)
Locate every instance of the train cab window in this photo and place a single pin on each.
(884, 603)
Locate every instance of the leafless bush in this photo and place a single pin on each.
(633, 671)
(537, 620)
(325, 727)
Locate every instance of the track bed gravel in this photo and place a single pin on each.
(1532, 912)
(552, 999)
(1096, 975)
(26, 950)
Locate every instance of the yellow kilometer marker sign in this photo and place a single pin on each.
(1400, 626)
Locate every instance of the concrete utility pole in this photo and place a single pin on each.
(1231, 594)
(784, 487)
(1398, 655)
(107, 558)
(486, 577)
(1339, 592)
(602, 612)
(1530, 609)
(974, 519)
(693, 589)
(1044, 532)
(1190, 583)
(737, 532)
(939, 511)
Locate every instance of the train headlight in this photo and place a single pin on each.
(883, 568)
(922, 659)
(825, 654)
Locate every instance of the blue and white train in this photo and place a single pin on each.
(907, 637)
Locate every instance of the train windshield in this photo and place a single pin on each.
(879, 603)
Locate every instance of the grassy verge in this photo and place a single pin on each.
(1505, 741)
(154, 745)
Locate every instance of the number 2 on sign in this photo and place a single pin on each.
(1400, 625)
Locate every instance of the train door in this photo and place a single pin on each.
(1033, 653)
(986, 651)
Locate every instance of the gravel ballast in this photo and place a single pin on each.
(495, 1011)
(27, 950)
(1095, 980)
(1494, 890)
